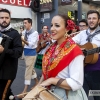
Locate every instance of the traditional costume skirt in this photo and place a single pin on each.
(72, 95)
(38, 63)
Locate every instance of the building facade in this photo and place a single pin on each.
(71, 9)
(19, 10)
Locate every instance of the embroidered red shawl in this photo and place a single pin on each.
(55, 60)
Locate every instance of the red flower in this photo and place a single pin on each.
(71, 25)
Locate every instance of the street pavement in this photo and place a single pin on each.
(18, 84)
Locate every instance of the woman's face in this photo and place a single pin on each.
(58, 29)
(21, 29)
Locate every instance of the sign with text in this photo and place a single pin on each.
(23, 3)
(66, 2)
(46, 15)
(46, 5)
(94, 92)
(18, 12)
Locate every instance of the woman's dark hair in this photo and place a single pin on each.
(93, 11)
(6, 11)
(44, 25)
(65, 17)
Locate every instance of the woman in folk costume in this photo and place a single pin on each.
(63, 59)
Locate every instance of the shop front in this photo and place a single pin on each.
(19, 9)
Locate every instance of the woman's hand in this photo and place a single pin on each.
(47, 82)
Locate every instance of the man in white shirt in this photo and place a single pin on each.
(92, 35)
(31, 40)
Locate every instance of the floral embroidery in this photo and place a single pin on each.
(53, 56)
(68, 44)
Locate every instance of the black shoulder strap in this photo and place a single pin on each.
(58, 84)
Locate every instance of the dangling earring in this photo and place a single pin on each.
(66, 35)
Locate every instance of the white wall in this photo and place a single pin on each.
(18, 12)
(34, 21)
